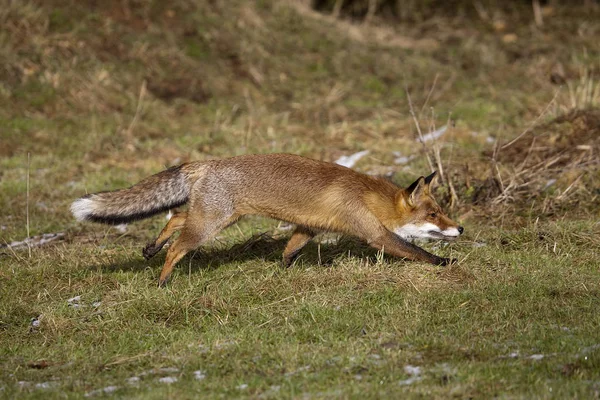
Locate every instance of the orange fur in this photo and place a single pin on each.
(314, 195)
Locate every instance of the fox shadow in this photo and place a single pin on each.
(259, 247)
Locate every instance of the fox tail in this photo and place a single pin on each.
(153, 195)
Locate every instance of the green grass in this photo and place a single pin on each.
(348, 326)
(516, 318)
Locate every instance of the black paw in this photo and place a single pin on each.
(163, 282)
(447, 261)
(150, 251)
(287, 262)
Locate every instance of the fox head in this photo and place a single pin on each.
(421, 216)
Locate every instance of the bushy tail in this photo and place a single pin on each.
(153, 195)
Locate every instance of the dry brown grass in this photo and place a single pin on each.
(562, 152)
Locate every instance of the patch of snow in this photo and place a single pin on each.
(168, 379)
(243, 386)
(226, 344)
(588, 349)
(414, 373)
(199, 375)
(349, 161)
(400, 159)
(106, 390)
(35, 323)
(121, 228)
(43, 385)
(203, 348)
(134, 380)
(110, 389)
(435, 134)
(286, 227)
(536, 357)
(549, 183)
(301, 369)
(514, 354)
(412, 370)
(74, 302)
(329, 239)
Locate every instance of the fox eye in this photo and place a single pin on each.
(433, 215)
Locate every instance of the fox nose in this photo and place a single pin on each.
(461, 229)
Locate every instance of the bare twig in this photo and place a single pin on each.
(123, 360)
(495, 169)
(537, 13)
(430, 93)
(481, 11)
(563, 194)
(337, 8)
(453, 195)
(371, 11)
(520, 168)
(436, 149)
(138, 108)
(27, 201)
(418, 126)
(35, 241)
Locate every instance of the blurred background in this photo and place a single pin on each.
(502, 96)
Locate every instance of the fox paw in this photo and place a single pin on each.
(288, 259)
(287, 262)
(150, 251)
(162, 283)
(447, 261)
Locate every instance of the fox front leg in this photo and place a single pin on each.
(396, 246)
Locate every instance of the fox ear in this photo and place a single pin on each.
(431, 179)
(415, 191)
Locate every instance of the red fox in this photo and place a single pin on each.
(314, 195)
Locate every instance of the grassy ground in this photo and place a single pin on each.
(103, 96)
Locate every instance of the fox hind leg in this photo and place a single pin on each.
(299, 239)
(199, 227)
(175, 224)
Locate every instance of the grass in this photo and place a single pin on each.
(516, 318)
(348, 326)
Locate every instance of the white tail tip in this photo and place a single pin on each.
(82, 208)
